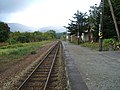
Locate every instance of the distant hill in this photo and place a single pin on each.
(19, 27)
(58, 29)
(22, 28)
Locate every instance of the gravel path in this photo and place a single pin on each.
(100, 70)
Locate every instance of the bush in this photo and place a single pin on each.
(109, 44)
(90, 45)
(11, 41)
(109, 41)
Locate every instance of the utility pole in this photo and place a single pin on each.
(115, 22)
(101, 25)
(78, 27)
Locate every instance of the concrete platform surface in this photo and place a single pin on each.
(92, 70)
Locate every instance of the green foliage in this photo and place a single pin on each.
(108, 24)
(72, 28)
(11, 41)
(4, 32)
(109, 28)
(20, 50)
(51, 34)
(94, 20)
(80, 18)
(60, 35)
(109, 41)
(90, 45)
(108, 44)
(26, 37)
(22, 39)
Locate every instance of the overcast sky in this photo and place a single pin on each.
(41, 13)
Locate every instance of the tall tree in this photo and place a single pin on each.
(114, 19)
(4, 32)
(79, 24)
(72, 28)
(94, 20)
(109, 27)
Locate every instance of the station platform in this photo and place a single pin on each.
(75, 80)
(90, 69)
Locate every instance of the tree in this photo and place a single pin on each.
(108, 24)
(72, 28)
(4, 32)
(114, 20)
(51, 34)
(38, 36)
(109, 27)
(94, 20)
(79, 24)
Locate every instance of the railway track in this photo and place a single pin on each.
(47, 74)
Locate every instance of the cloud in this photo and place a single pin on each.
(9, 6)
(40, 13)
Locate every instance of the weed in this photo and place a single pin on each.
(20, 50)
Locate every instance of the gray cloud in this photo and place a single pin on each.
(10, 6)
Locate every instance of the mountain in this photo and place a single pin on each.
(22, 28)
(58, 29)
(19, 27)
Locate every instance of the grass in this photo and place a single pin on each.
(12, 54)
(95, 46)
(90, 45)
(20, 50)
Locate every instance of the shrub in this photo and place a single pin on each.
(11, 41)
(90, 45)
(109, 44)
(109, 41)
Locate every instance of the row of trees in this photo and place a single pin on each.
(83, 21)
(25, 37)
(13, 37)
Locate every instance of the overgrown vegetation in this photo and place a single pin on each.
(12, 54)
(108, 45)
(20, 50)
(93, 46)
